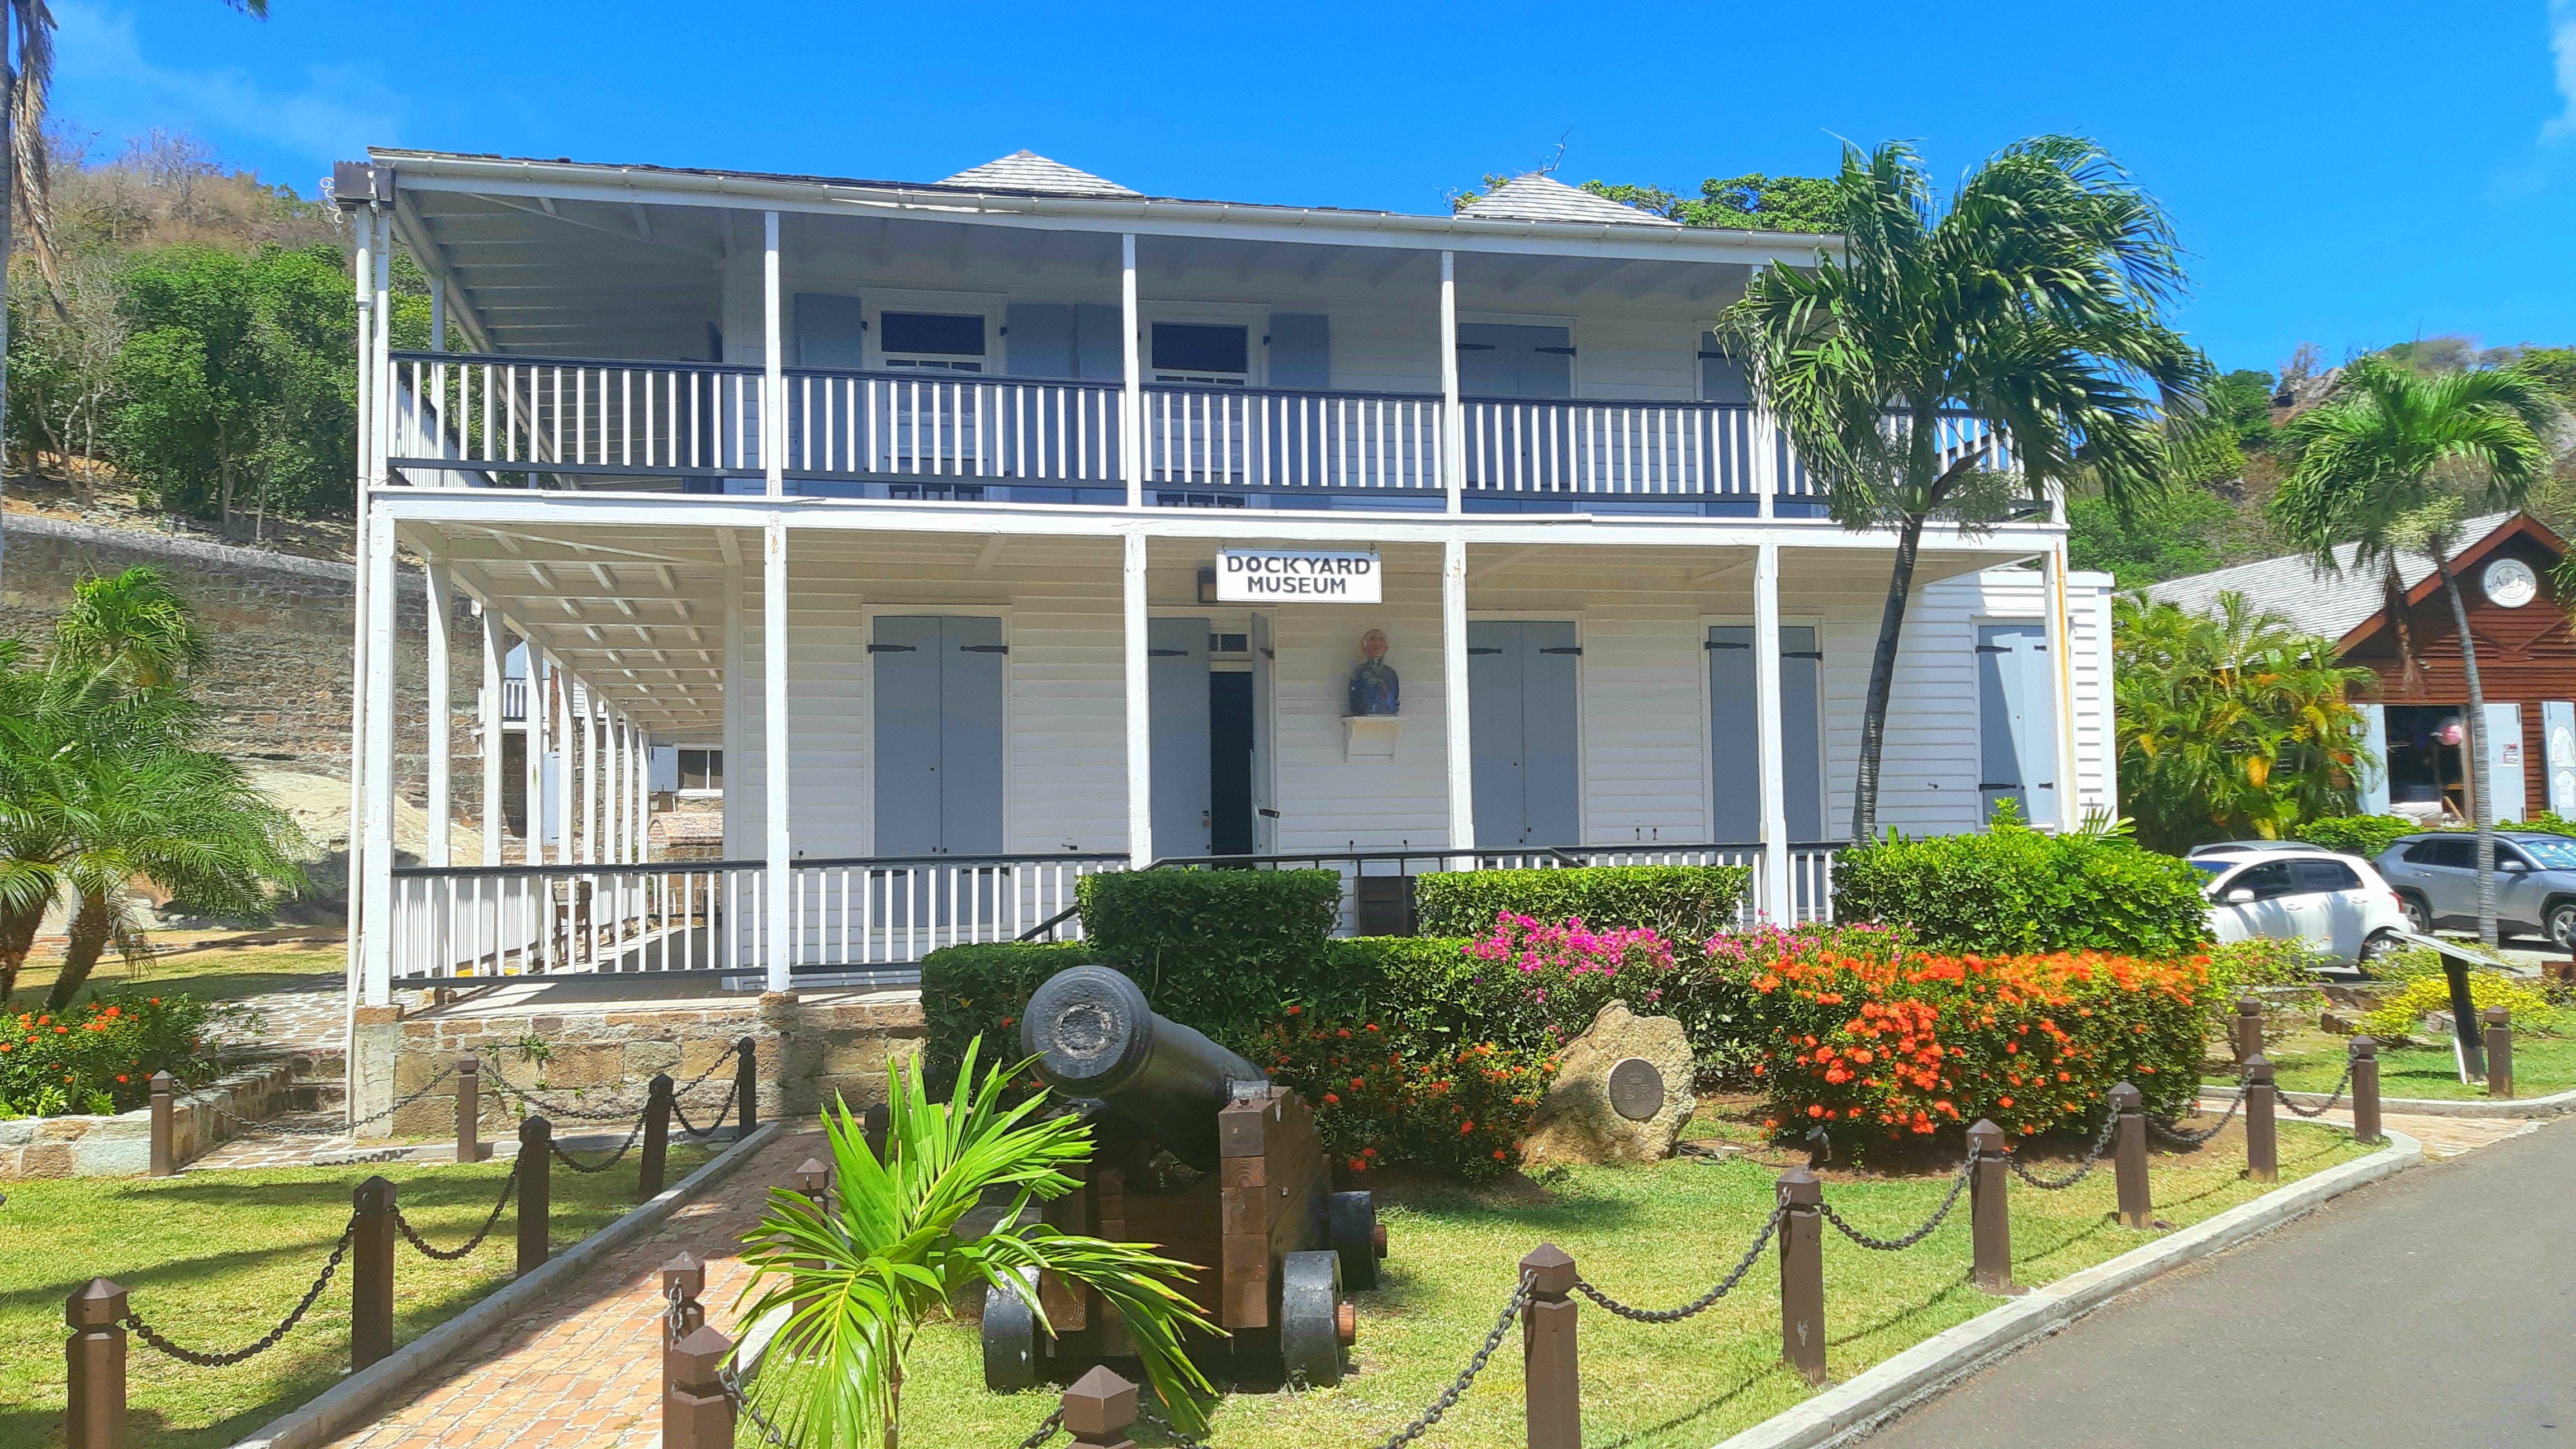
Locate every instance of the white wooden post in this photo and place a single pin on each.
(1765, 470)
(590, 778)
(737, 700)
(384, 341)
(494, 819)
(2061, 663)
(533, 705)
(375, 895)
(1453, 689)
(1131, 401)
(1453, 433)
(565, 759)
(773, 383)
(1140, 705)
(783, 932)
(1770, 767)
(441, 799)
(613, 789)
(362, 281)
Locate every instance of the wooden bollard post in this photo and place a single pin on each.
(2129, 1158)
(1989, 1213)
(469, 1109)
(697, 1413)
(371, 1274)
(686, 1276)
(1802, 1273)
(165, 1157)
(2249, 1029)
(2365, 1089)
(1099, 1409)
(876, 1124)
(812, 1182)
(746, 1087)
(657, 1138)
(536, 1198)
(2499, 1051)
(95, 1415)
(2262, 1139)
(1551, 1386)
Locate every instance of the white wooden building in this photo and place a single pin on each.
(916, 502)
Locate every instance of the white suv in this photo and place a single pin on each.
(2336, 903)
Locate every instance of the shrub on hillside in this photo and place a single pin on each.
(1880, 1046)
(1680, 902)
(2015, 890)
(99, 1055)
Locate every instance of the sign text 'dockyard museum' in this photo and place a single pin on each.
(1263, 575)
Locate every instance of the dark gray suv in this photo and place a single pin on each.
(2436, 880)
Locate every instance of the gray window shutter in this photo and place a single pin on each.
(1097, 353)
(971, 681)
(1802, 732)
(1734, 725)
(1551, 680)
(905, 668)
(1721, 378)
(1494, 659)
(1301, 352)
(828, 333)
(1041, 339)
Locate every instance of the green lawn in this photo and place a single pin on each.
(214, 1259)
(226, 974)
(2541, 1065)
(1651, 1236)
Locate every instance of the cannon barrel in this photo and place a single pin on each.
(1095, 1038)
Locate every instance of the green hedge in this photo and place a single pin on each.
(972, 991)
(2362, 835)
(2014, 890)
(1213, 948)
(1683, 902)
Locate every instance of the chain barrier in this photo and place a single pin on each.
(690, 1128)
(732, 1384)
(1053, 1424)
(2283, 1098)
(1458, 1386)
(674, 1318)
(1958, 1185)
(509, 1183)
(248, 1128)
(2092, 1159)
(268, 1340)
(2164, 1128)
(1179, 1439)
(579, 1113)
(614, 1158)
(1724, 1286)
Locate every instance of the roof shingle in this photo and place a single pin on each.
(1026, 170)
(2314, 601)
(1533, 197)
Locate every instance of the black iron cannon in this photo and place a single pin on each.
(1196, 1151)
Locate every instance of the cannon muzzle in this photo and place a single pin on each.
(1095, 1038)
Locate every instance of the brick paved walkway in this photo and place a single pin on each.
(2441, 1136)
(585, 1372)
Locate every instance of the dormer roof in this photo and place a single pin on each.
(1026, 170)
(1533, 197)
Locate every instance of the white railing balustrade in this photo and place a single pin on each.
(1233, 437)
(950, 425)
(1565, 445)
(874, 912)
(516, 920)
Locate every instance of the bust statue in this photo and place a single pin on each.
(1374, 688)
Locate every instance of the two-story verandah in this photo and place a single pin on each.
(958, 458)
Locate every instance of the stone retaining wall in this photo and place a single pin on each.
(600, 1056)
(121, 1145)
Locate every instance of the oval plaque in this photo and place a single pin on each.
(1636, 1088)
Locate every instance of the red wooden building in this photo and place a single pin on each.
(2419, 722)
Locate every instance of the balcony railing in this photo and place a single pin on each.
(479, 420)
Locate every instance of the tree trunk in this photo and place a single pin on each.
(1882, 682)
(2481, 803)
(17, 934)
(8, 199)
(2392, 587)
(92, 926)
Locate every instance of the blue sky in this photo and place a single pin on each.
(2351, 174)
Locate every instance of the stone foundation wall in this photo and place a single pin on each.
(121, 1145)
(600, 1057)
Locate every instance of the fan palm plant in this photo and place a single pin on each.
(856, 1279)
(2230, 723)
(2033, 307)
(2388, 463)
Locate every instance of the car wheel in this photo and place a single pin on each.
(2381, 944)
(2419, 917)
(2561, 925)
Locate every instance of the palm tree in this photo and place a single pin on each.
(2230, 723)
(2033, 307)
(27, 71)
(857, 1279)
(2387, 463)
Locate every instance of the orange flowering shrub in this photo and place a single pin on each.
(1380, 1101)
(99, 1055)
(1906, 1042)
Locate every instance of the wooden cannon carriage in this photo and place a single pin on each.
(1197, 1152)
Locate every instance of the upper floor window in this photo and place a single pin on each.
(1203, 353)
(701, 772)
(944, 341)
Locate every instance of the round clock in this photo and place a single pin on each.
(2510, 583)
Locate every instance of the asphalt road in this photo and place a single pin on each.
(2437, 1308)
